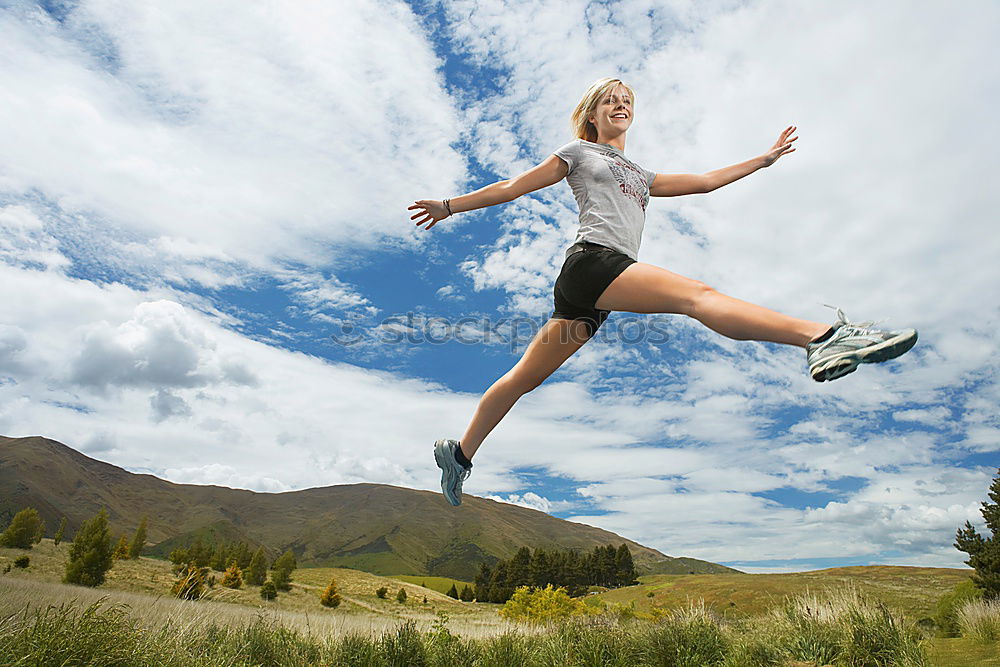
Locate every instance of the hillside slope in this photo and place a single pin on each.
(373, 527)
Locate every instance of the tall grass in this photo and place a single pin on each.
(980, 619)
(847, 630)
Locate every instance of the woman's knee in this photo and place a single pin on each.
(520, 382)
(699, 295)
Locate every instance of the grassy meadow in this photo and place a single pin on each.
(809, 619)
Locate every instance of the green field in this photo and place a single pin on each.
(143, 586)
(911, 590)
(439, 584)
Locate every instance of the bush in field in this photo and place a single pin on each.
(233, 576)
(22, 561)
(381, 592)
(980, 619)
(90, 556)
(540, 605)
(121, 549)
(192, 582)
(330, 597)
(401, 596)
(23, 528)
(268, 591)
(946, 612)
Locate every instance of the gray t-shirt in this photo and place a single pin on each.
(612, 193)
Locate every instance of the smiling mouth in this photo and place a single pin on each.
(619, 116)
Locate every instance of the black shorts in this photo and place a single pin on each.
(584, 276)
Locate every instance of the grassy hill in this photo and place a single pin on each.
(372, 527)
(912, 590)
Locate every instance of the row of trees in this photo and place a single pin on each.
(604, 566)
(27, 528)
(194, 580)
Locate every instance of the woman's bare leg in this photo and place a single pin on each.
(644, 288)
(554, 343)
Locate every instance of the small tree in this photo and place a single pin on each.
(541, 605)
(138, 541)
(22, 561)
(466, 595)
(330, 597)
(121, 549)
(90, 557)
(258, 568)
(381, 592)
(39, 531)
(401, 596)
(59, 533)
(233, 577)
(984, 552)
(192, 582)
(282, 571)
(220, 558)
(453, 592)
(20, 534)
(268, 591)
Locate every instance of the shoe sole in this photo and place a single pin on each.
(889, 349)
(847, 362)
(440, 447)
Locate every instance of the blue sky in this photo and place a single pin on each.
(208, 271)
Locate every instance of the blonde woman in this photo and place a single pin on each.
(601, 272)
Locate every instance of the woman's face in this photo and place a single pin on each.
(613, 114)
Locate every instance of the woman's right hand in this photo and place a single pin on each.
(428, 210)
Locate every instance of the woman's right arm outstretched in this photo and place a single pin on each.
(550, 171)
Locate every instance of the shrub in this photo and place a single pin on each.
(191, 583)
(330, 597)
(59, 533)
(946, 612)
(381, 592)
(121, 549)
(22, 561)
(540, 605)
(23, 528)
(980, 619)
(90, 556)
(233, 576)
(268, 591)
(401, 596)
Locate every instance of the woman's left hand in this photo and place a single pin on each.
(782, 146)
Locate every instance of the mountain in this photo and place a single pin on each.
(373, 527)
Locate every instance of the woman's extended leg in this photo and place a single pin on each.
(554, 343)
(644, 288)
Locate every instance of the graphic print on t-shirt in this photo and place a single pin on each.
(630, 179)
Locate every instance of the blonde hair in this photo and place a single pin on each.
(580, 120)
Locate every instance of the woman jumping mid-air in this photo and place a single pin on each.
(600, 272)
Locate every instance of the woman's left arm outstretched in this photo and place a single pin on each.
(674, 185)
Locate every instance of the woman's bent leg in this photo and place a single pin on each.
(554, 343)
(644, 288)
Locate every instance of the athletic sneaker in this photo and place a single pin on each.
(852, 344)
(453, 473)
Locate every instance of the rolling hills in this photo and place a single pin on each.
(372, 527)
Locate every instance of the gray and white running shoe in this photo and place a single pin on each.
(452, 472)
(852, 344)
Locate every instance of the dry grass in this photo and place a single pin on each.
(980, 620)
